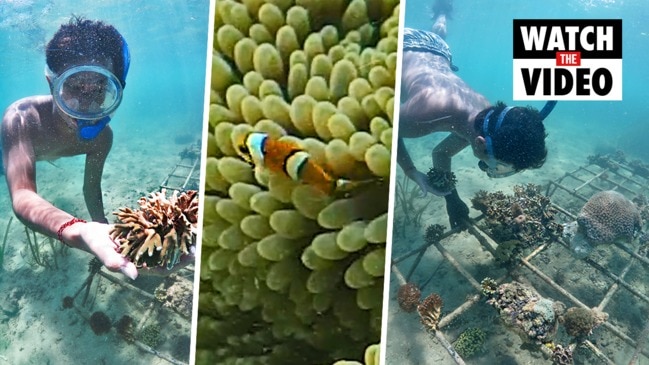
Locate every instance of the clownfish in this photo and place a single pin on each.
(285, 157)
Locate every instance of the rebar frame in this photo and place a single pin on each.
(184, 175)
(578, 185)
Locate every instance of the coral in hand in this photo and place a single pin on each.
(430, 309)
(160, 232)
(408, 297)
(607, 216)
(441, 180)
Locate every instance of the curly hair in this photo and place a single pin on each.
(520, 140)
(81, 40)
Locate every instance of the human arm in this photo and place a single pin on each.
(93, 171)
(404, 160)
(33, 211)
(457, 210)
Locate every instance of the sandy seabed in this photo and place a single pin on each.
(409, 343)
(34, 326)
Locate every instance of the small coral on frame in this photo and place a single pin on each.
(580, 322)
(430, 311)
(471, 342)
(408, 297)
(160, 232)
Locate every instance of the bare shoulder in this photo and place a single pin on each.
(27, 111)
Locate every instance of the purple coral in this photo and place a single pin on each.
(607, 216)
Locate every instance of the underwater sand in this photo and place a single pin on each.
(408, 342)
(35, 329)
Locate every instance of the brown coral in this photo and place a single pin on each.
(430, 310)
(580, 322)
(607, 216)
(562, 355)
(408, 297)
(164, 229)
(100, 323)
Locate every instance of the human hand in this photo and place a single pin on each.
(457, 210)
(95, 238)
(422, 180)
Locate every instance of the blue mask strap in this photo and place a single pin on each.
(126, 55)
(485, 131)
(547, 109)
(88, 131)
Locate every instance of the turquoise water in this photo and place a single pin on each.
(167, 40)
(480, 37)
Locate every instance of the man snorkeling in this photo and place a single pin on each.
(505, 139)
(87, 62)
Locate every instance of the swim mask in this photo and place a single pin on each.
(493, 167)
(86, 92)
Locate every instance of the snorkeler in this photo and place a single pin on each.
(505, 139)
(87, 63)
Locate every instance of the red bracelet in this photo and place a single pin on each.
(66, 225)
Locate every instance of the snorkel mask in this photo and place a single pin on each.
(493, 167)
(89, 94)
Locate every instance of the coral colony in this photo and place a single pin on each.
(605, 218)
(160, 232)
(303, 269)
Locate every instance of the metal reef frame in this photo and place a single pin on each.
(592, 178)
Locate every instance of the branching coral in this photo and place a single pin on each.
(526, 216)
(286, 268)
(441, 179)
(433, 233)
(430, 310)
(160, 232)
(408, 297)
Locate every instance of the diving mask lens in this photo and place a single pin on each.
(87, 92)
(497, 169)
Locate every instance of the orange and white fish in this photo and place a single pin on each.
(286, 157)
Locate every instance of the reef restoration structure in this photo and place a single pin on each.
(542, 274)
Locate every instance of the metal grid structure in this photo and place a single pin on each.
(149, 310)
(185, 174)
(613, 278)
